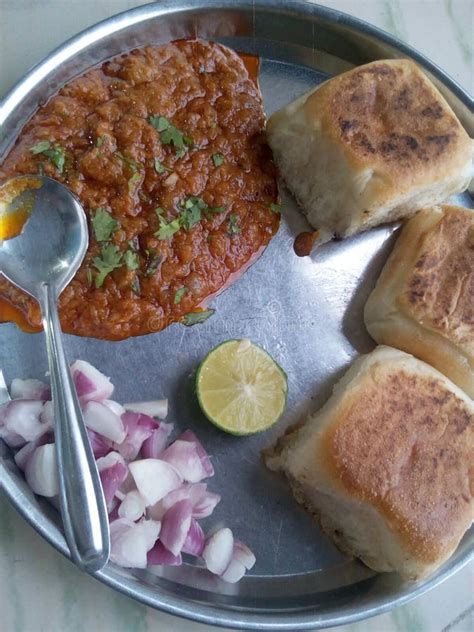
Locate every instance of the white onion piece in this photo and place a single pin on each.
(243, 554)
(160, 556)
(206, 505)
(156, 408)
(218, 550)
(132, 506)
(188, 435)
(101, 419)
(113, 472)
(29, 389)
(23, 455)
(184, 456)
(194, 493)
(130, 542)
(138, 428)
(40, 473)
(12, 439)
(115, 407)
(195, 539)
(99, 444)
(234, 572)
(175, 526)
(154, 445)
(154, 479)
(90, 383)
(23, 417)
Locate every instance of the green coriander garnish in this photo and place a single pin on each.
(167, 230)
(152, 265)
(160, 167)
(275, 208)
(159, 211)
(194, 318)
(136, 285)
(192, 211)
(100, 141)
(103, 224)
(133, 164)
(217, 159)
(234, 228)
(136, 177)
(179, 295)
(171, 135)
(131, 260)
(110, 259)
(54, 152)
(89, 276)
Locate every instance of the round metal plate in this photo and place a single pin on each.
(306, 312)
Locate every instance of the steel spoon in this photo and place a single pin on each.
(41, 260)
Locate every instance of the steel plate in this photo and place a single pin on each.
(306, 312)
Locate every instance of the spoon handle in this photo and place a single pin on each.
(82, 502)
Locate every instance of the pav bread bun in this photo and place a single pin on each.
(387, 464)
(370, 146)
(423, 302)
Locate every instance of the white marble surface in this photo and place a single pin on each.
(39, 590)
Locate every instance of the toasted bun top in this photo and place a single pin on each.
(402, 440)
(388, 115)
(439, 289)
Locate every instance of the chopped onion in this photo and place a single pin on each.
(138, 428)
(234, 572)
(243, 554)
(100, 446)
(156, 408)
(132, 506)
(115, 407)
(101, 419)
(112, 471)
(218, 550)
(206, 505)
(23, 455)
(183, 455)
(160, 556)
(154, 445)
(130, 542)
(151, 529)
(175, 526)
(23, 417)
(40, 473)
(12, 439)
(154, 479)
(192, 492)
(29, 389)
(188, 435)
(90, 383)
(195, 539)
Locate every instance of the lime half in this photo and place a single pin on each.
(240, 388)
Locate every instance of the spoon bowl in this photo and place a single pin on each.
(53, 239)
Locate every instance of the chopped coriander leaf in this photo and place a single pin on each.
(152, 265)
(132, 182)
(89, 276)
(217, 159)
(160, 123)
(275, 208)
(171, 135)
(159, 211)
(194, 318)
(179, 295)
(131, 260)
(234, 228)
(214, 209)
(103, 224)
(133, 164)
(40, 147)
(167, 230)
(136, 285)
(100, 141)
(160, 167)
(110, 259)
(54, 152)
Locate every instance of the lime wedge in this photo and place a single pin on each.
(240, 388)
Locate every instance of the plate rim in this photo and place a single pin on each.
(29, 508)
